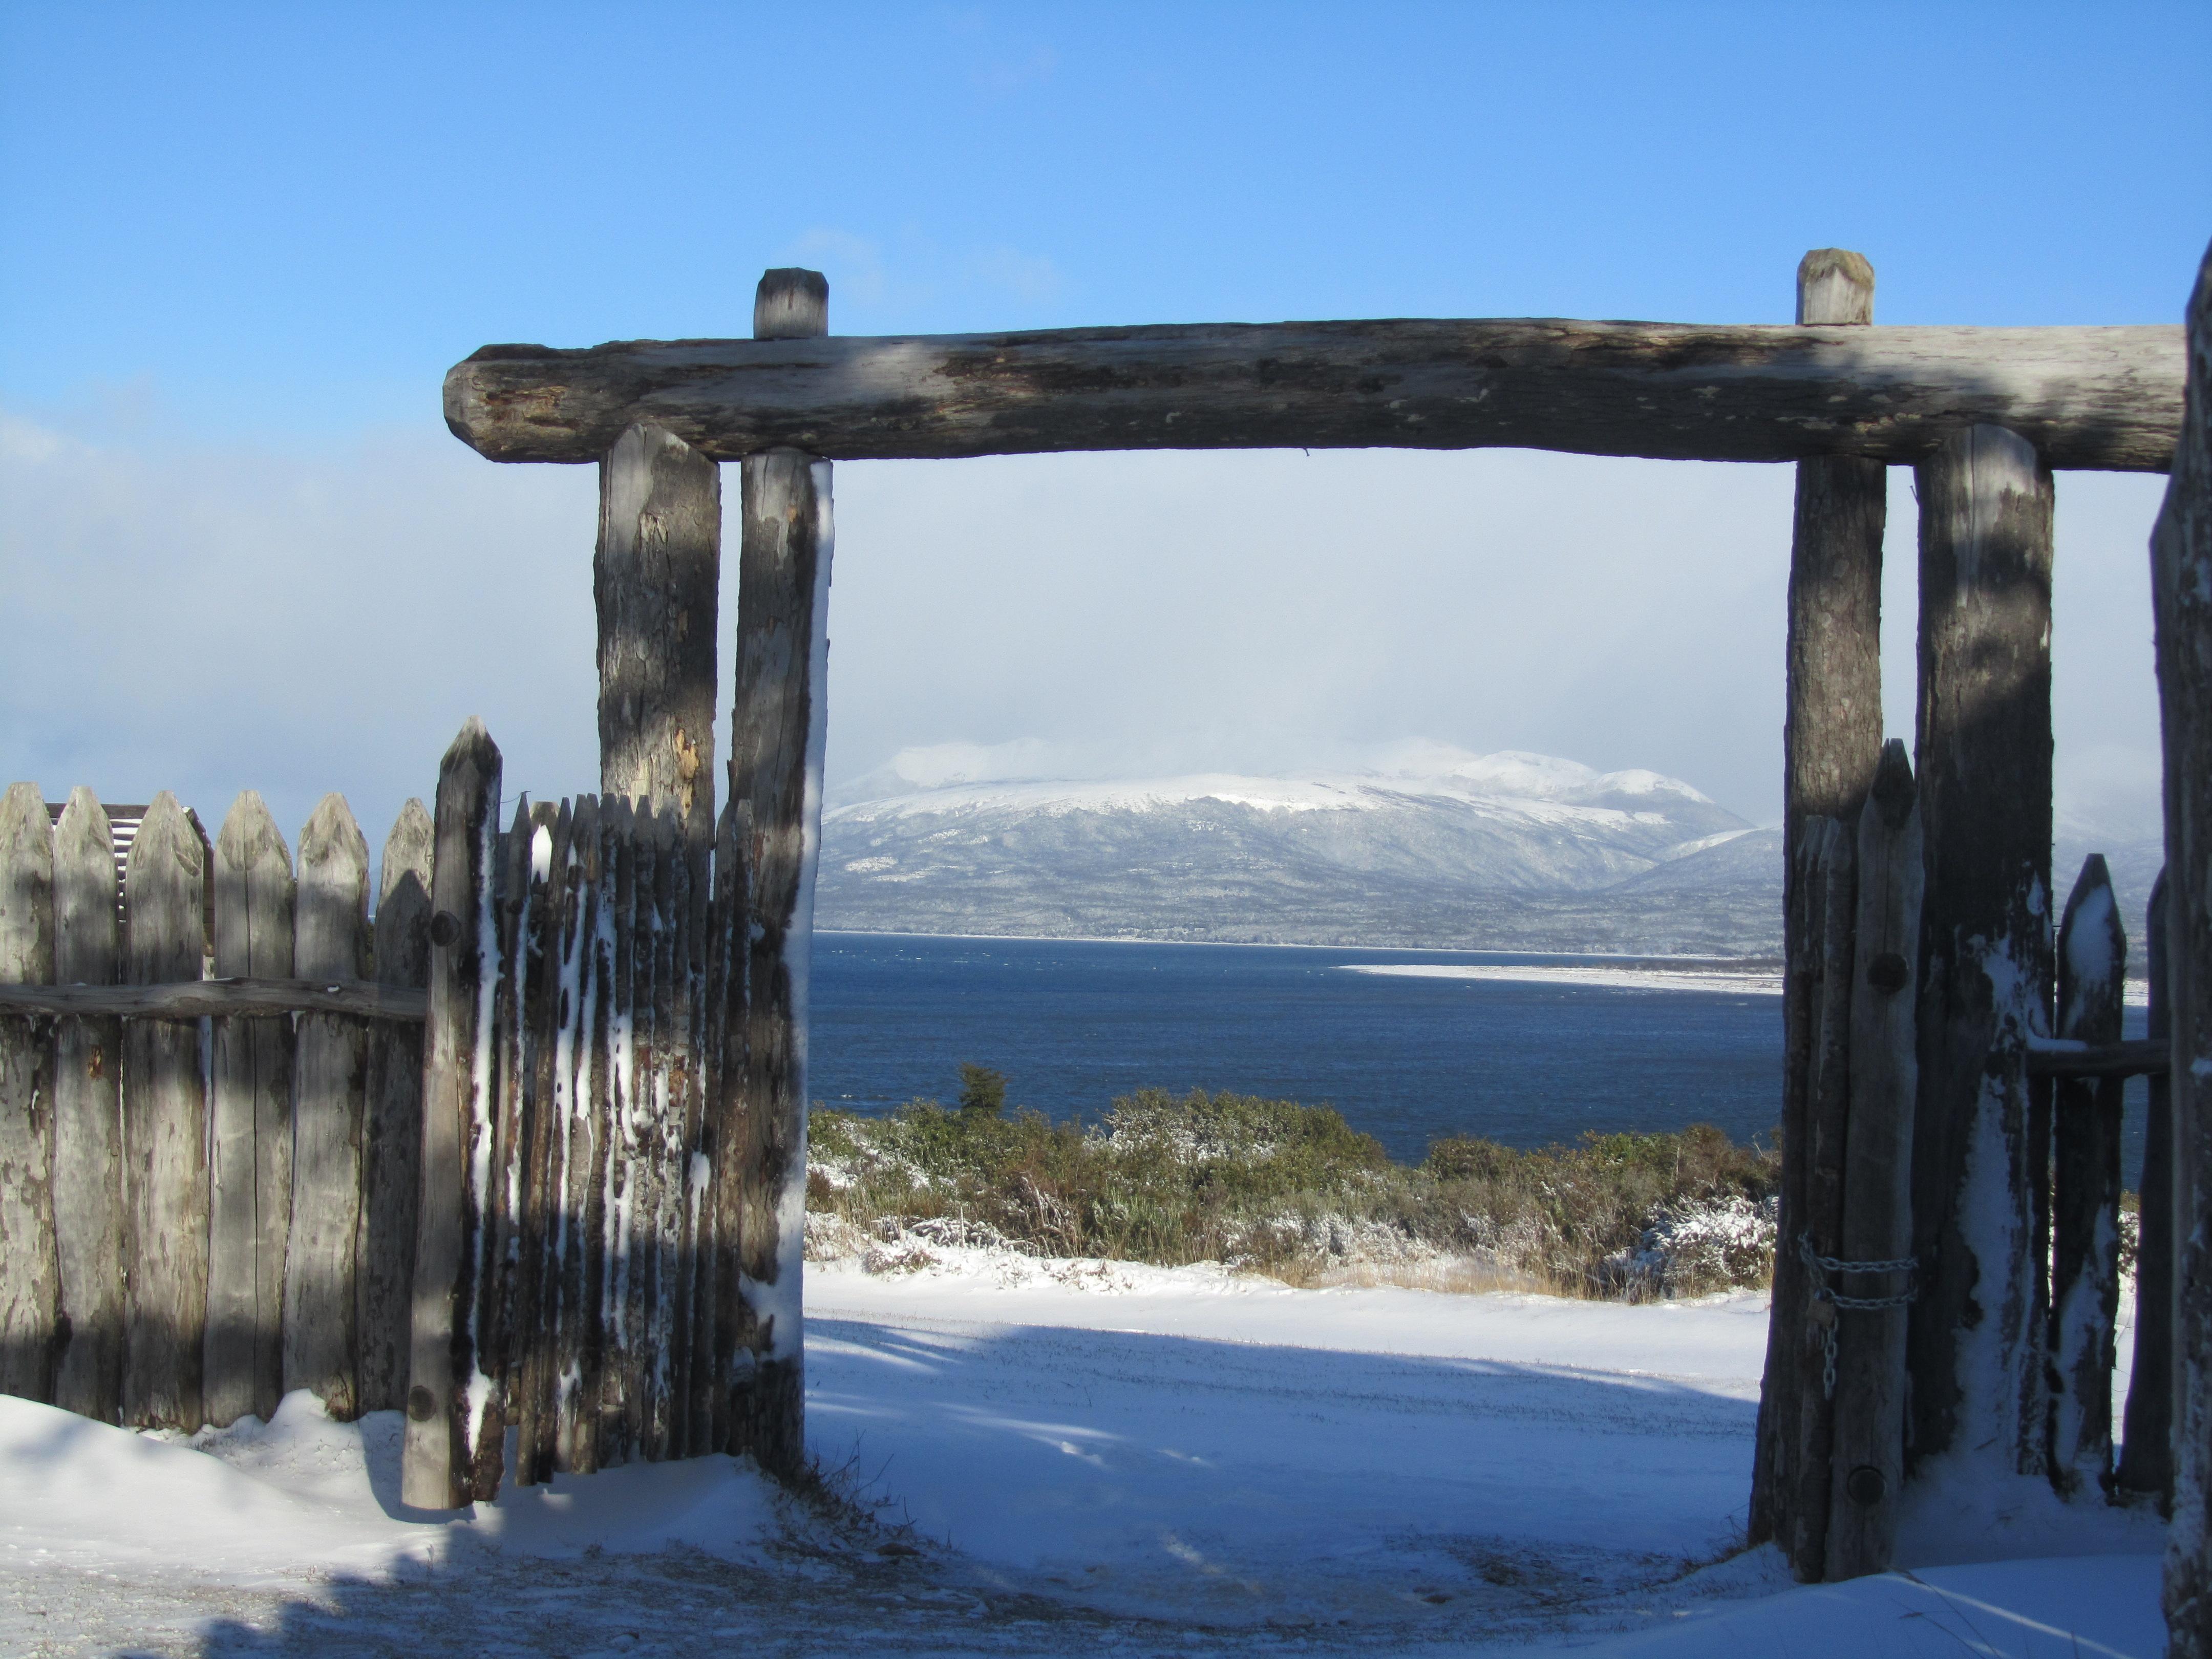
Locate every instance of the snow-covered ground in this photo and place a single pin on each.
(1062, 1455)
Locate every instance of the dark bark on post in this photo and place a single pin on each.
(165, 1126)
(2085, 1191)
(250, 1129)
(2181, 594)
(2145, 1440)
(1868, 1453)
(656, 579)
(30, 1291)
(392, 1129)
(1976, 1348)
(538, 1292)
(777, 734)
(1832, 737)
(90, 1223)
(438, 1466)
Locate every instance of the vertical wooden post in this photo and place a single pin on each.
(321, 1347)
(391, 1123)
(250, 1123)
(1975, 1347)
(778, 730)
(165, 1129)
(1832, 738)
(655, 578)
(2146, 1449)
(1868, 1453)
(446, 1390)
(2085, 1189)
(2181, 594)
(90, 1223)
(538, 1292)
(30, 1295)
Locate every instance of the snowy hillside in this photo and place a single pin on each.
(1435, 847)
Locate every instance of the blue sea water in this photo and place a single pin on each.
(1073, 1024)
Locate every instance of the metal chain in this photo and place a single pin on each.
(1823, 1291)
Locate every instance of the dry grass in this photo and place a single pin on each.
(1293, 1191)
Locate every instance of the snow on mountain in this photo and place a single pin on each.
(1431, 845)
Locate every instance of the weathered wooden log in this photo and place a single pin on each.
(164, 1127)
(1867, 1450)
(199, 1000)
(1976, 1352)
(322, 1352)
(2104, 398)
(590, 1174)
(618, 1112)
(2085, 1189)
(30, 1291)
(439, 1464)
(570, 1178)
(392, 1124)
(90, 1223)
(659, 1231)
(250, 1123)
(1826, 892)
(2146, 1465)
(656, 579)
(1832, 735)
(717, 1212)
(2181, 597)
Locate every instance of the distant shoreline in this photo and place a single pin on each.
(1768, 963)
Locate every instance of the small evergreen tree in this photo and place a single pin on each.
(983, 1090)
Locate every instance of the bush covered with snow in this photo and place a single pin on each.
(1290, 1190)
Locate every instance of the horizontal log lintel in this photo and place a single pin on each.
(2104, 398)
(201, 998)
(2137, 1057)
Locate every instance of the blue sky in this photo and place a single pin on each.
(244, 243)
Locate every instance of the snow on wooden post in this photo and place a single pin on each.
(30, 1296)
(655, 578)
(89, 1223)
(2085, 1188)
(2146, 1451)
(1975, 1345)
(392, 1121)
(1867, 1452)
(447, 1393)
(2181, 597)
(777, 734)
(537, 1289)
(165, 1128)
(1832, 736)
(250, 1126)
(321, 1345)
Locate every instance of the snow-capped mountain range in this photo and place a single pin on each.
(1433, 846)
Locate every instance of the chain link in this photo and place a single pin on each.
(1820, 1266)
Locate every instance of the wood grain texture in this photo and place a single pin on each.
(1877, 1209)
(438, 1462)
(655, 579)
(90, 1223)
(2085, 1189)
(321, 1296)
(2181, 598)
(1832, 735)
(392, 1125)
(2146, 1465)
(250, 1123)
(569, 1180)
(164, 1127)
(538, 1291)
(776, 743)
(1825, 891)
(2103, 398)
(791, 303)
(1984, 761)
(717, 1218)
(195, 1000)
(30, 1291)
